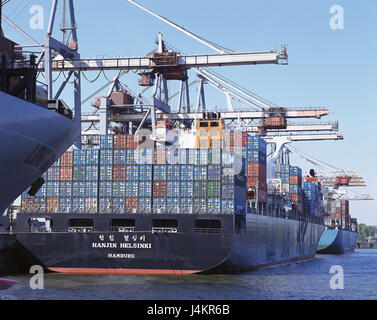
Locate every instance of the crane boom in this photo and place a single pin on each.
(191, 61)
(195, 116)
(176, 26)
(312, 160)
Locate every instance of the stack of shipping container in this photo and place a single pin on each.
(283, 173)
(295, 188)
(255, 152)
(120, 177)
(312, 198)
(306, 198)
(338, 210)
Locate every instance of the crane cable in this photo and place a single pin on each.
(95, 79)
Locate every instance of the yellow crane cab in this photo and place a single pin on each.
(209, 132)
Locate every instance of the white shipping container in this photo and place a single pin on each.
(91, 205)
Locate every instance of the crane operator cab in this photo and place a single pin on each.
(209, 131)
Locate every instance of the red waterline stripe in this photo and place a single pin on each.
(6, 283)
(122, 271)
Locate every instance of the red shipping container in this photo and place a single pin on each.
(131, 204)
(256, 169)
(27, 205)
(244, 138)
(52, 204)
(252, 182)
(135, 141)
(66, 173)
(228, 138)
(295, 197)
(159, 189)
(66, 158)
(229, 149)
(240, 138)
(160, 156)
(132, 141)
(260, 195)
(119, 172)
(295, 179)
(120, 141)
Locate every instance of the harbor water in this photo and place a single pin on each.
(309, 280)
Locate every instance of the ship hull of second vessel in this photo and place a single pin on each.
(337, 241)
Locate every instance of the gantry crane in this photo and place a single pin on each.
(332, 178)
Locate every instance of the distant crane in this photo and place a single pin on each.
(331, 178)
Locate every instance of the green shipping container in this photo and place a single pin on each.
(214, 189)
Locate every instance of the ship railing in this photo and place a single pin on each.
(207, 230)
(40, 229)
(164, 230)
(122, 229)
(80, 229)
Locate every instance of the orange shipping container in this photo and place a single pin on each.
(131, 204)
(66, 158)
(52, 204)
(66, 173)
(27, 205)
(120, 141)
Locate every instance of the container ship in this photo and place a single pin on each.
(191, 195)
(34, 131)
(133, 205)
(341, 231)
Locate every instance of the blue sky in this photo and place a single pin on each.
(333, 68)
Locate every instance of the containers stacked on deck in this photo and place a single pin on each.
(71, 185)
(291, 183)
(338, 210)
(283, 173)
(31, 204)
(255, 152)
(295, 188)
(122, 178)
(312, 198)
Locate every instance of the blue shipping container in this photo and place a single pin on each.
(91, 189)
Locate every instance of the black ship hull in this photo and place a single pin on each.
(240, 243)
